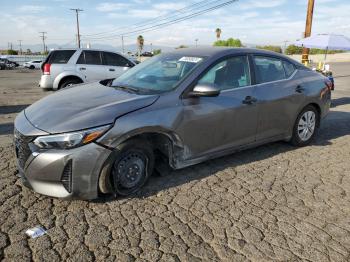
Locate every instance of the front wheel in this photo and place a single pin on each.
(132, 167)
(305, 126)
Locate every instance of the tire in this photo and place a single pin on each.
(132, 166)
(32, 67)
(70, 82)
(306, 126)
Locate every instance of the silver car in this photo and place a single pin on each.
(171, 111)
(66, 67)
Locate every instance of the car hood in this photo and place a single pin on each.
(84, 106)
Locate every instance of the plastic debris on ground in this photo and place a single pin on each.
(36, 232)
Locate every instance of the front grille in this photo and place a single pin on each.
(66, 178)
(22, 148)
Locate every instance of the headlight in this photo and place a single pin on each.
(70, 140)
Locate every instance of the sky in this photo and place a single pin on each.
(252, 21)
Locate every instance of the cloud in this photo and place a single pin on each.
(151, 13)
(110, 7)
(31, 8)
(169, 6)
(252, 4)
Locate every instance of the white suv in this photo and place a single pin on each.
(66, 67)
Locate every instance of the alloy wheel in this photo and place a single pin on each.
(306, 125)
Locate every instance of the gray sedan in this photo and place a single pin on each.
(171, 111)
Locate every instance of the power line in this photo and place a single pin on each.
(171, 22)
(146, 29)
(156, 19)
(20, 46)
(77, 17)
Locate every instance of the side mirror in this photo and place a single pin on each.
(207, 90)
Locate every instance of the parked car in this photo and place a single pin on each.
(2, 65)
(67, 67)
(147, 54)
(173, 110)
(9, 64)
(34, 64)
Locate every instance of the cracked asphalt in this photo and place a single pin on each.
(271, 203)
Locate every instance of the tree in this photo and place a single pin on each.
(140, 42)
(29, 52)
(273, 48)
(182, 46)
(294, 50)
(229, 42)
(157, 51)
(12, 52)
(218, 33)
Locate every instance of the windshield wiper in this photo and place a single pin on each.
(127, 88)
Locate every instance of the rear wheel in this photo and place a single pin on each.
(305, 126)
(70, 82)
(132, 167)
(32, 67)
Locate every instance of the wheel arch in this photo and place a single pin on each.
(317, 107)
(64, 76)
(165, 144)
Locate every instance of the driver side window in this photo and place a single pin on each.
(228, 74)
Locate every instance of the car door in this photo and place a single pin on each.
(90, 65)
(115, 64)
(212, 124)
(279, 95)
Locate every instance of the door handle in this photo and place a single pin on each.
(112, 69)
(299, 89)
(82, 68)
(249, 100)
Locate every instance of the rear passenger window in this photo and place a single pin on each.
(113, 59)
(60, 57)
(289, 68)
(268, 69)
(90, 58)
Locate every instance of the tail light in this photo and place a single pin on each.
(47, 68)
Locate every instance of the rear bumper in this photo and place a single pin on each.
(46, 82)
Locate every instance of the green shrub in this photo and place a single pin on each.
(273, 48)
(231, 42)
(157, 51)
(12, 52)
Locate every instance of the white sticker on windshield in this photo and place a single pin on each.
(190, 59)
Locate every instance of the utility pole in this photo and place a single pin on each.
(43, 37)
(77, 16)
(285, 45)
(20, 46)
(123, 44)
(308, 27)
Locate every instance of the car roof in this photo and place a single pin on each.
(89, 49)
(221, 51)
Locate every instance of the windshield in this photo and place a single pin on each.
(159, 74)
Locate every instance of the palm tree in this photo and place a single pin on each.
(140, 42)
(218, 33)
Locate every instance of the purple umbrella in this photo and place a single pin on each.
(325, 41)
